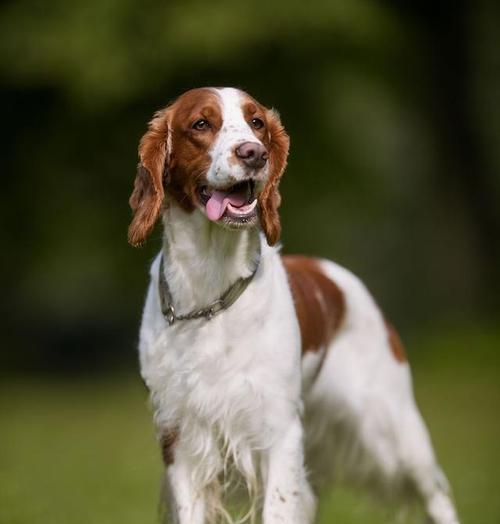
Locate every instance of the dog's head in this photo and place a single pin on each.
(217, 152)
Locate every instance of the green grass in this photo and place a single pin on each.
(83, 452)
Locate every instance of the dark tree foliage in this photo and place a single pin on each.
(393, 113)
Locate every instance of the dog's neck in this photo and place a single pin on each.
(203, 259)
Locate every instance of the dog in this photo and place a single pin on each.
(281, 369)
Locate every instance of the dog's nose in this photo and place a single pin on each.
(252, 154)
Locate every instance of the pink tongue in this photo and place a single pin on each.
(219, 200)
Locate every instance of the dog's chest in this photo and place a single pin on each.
(234, 378)
(226, 373)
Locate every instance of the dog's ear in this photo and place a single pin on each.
(147, 197)
(270, 198)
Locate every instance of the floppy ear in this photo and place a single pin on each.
(147, 197)
(270, 199)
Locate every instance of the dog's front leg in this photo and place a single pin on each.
(288, 496)
(186, 501)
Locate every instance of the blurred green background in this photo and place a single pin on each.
(393, 109)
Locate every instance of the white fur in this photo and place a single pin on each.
(234, 388)
(235, 131)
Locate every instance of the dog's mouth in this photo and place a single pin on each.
(235, 205)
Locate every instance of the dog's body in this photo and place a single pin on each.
(303, 344)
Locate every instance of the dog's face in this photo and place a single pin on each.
(215, 151)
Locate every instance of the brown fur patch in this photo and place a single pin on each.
(173, 157)
(147, 197)
(190, 160)
(319, 303)
(395, 343)
(145, 201)
(167, 442)
(277, 143)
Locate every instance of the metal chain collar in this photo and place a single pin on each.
(227, 299)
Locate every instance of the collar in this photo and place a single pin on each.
(227, 299)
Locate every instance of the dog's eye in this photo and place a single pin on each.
(201, 125)
(257, 123)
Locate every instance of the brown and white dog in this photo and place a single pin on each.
(260, 364)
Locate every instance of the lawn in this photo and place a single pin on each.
(74, 452)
